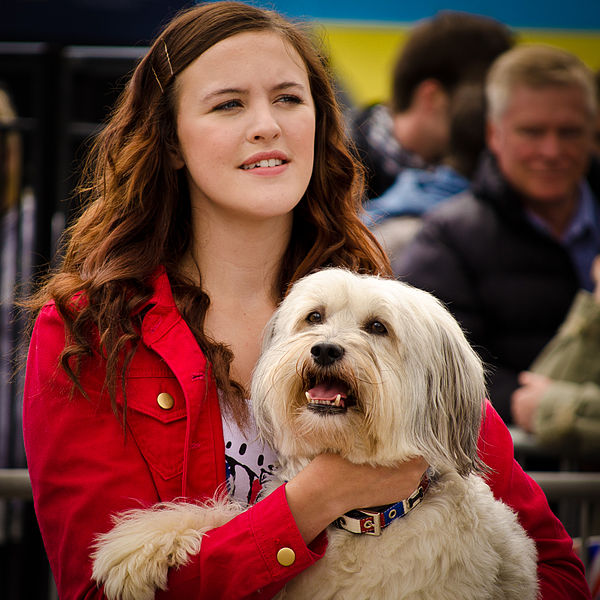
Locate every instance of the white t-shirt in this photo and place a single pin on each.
(248, 462)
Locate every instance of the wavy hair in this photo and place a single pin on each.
(137, 214)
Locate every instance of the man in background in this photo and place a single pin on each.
(508, 256)
(440, 55)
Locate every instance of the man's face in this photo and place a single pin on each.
(543, 142)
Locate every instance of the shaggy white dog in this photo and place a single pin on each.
(379, 372)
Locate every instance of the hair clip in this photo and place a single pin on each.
(158, 80)
(170, 68)
(168, 59)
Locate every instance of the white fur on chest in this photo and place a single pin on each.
(458, 543)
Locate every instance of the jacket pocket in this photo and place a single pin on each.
(156, 418)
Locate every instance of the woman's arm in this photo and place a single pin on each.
(560, 572)
(323, 491)
(331, 486)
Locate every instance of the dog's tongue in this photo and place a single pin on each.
(328, 391)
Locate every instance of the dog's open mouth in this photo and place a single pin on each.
(330, 396)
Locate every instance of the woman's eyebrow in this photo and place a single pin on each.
(221, 92)
(284, 85)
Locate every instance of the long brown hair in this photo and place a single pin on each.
(138, 213)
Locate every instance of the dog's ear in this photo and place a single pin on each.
(260, 382)
(456, 390)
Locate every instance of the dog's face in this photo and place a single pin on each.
(369, 368)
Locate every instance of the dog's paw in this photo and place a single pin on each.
(132, 560)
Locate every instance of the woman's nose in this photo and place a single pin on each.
(263, 124)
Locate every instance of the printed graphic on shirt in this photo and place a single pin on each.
(247, 467)
(249, 463)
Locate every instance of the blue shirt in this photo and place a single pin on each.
(581, 239)
(415, 192)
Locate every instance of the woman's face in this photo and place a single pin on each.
(246, 128)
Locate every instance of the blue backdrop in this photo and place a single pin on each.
(573, 14)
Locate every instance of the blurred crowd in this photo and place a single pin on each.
(483, 185)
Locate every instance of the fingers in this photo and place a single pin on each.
(526, 399)
(529, 378)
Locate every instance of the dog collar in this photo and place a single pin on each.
(373, 521)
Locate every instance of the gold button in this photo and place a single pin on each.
(165, 400)
(286, 557)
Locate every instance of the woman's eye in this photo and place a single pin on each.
(228, 105)
(290, 99)
(314, 317)
(376, 328)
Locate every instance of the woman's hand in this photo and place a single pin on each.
(526, 399)
(331, 486)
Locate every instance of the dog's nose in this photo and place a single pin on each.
(326, 354)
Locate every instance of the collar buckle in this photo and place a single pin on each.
(372, 524)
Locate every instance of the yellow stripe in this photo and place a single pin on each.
(586, 45)
(363, 56)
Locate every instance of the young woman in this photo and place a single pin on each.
(222, 177)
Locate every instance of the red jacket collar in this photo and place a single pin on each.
(160, 311)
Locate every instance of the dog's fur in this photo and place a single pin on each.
(414, 388)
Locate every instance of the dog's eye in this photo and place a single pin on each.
(314, 317)
(376, 328)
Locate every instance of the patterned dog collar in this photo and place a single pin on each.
(372, 521)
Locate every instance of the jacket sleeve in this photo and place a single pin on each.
(569, 413)
(568, 417)
(84, 469)
(560, 572)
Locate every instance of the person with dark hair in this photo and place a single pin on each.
(396, 216)
(509, 255)
(222, 177)
(466, 139)
(440, 55)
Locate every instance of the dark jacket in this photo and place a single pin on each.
(508, 284)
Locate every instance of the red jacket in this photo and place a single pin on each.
(85, 468)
